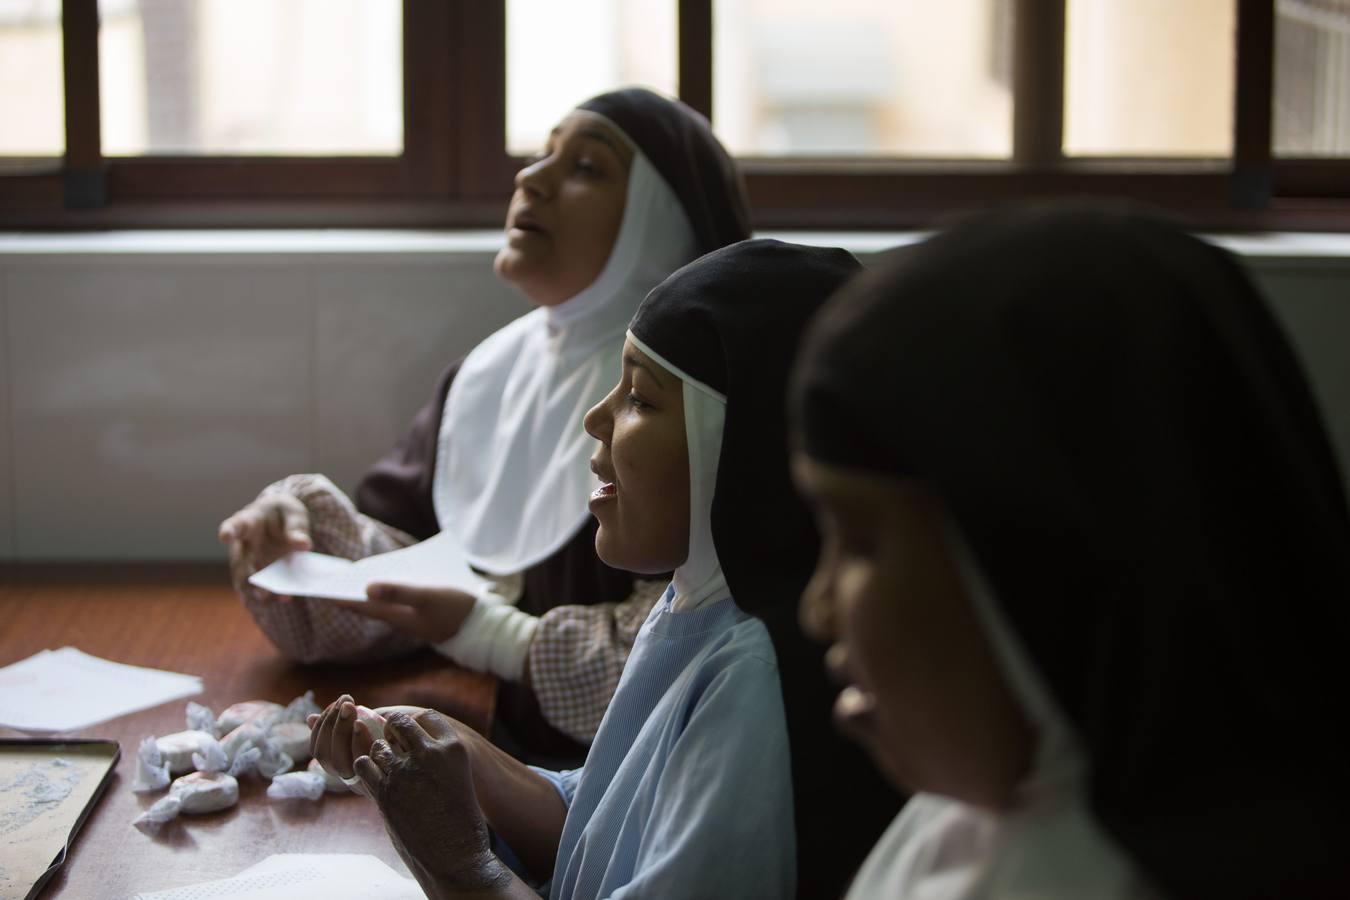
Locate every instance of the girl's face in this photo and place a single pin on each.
(566, 210)
(642, 504)
(924, 692)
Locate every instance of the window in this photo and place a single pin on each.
(1312, 78)
(31, 82)
(251, 77)
(857, 78)
(852, 113)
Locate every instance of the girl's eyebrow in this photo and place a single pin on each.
(631, 360)
(605, 138)
(597, 134)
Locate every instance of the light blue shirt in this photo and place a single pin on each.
(687, 790)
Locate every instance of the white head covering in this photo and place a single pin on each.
(1048, 846)
(699, 578)
(512, 475)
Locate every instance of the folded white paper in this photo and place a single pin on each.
(438, 561)
(66, 690)
(332, 876)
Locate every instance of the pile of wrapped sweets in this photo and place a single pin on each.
(254, 736)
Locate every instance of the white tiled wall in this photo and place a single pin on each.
(144, 396)
(384, 334)
(148, 395)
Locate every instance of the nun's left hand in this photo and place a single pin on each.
(419, 775)
(430, 614)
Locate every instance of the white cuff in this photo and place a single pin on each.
(495, 638)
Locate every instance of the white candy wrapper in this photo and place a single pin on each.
(212, 758)
(300, 709)
(195, 794)
(252, 747)
(178, 749)
(272, 761)
(260, 712)
(152, 772)
(201, 718)
(245, 761)
(331, 783)
(240, 739)
(301, 785)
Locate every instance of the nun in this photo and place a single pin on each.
(1086, 557)
(629, 187)
(708, 776)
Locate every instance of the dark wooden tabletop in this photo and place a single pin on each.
(185, 618)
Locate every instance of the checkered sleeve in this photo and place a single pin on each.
(578, 653)
(309, 630)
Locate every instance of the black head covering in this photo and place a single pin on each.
(1125, 439)
(733, 321)
(682, 147)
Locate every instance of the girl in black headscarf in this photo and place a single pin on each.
(1086, 561)
(629, 187)
(714, 772)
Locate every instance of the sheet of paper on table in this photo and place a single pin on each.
(332, 876)
(438, 561)
(65, 690)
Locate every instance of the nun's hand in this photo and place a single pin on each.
(263, 532)
(420, 777)
(429, 614)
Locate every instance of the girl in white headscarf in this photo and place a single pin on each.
(1085, 566)
(629, 187)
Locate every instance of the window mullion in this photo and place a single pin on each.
(696, 54)
(84, 184)
(1253, 95)
(1038, 83)
(430, 102)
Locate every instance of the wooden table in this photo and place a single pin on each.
(185, 618)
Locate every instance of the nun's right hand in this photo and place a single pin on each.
(263, 532)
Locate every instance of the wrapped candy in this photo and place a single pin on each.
(244, 761)
(331, 783)
(152, 772)
(304, 785)
(194, 794)
(200, 718)
(261, 712)
(212, 758)
(292, 738)
(373, 721)
(241, 738)
(178, 749)
(299, 709)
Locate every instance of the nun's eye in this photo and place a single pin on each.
(637, 402)
(587, 167)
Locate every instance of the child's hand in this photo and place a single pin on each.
(427, 613)
(338, 735)
(263, 532)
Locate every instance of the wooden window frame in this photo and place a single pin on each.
(454, 173)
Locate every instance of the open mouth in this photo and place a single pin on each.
(604, 491)
(525, 222)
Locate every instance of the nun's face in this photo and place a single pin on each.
(566, 210)
(924, 693)
(642, 504)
